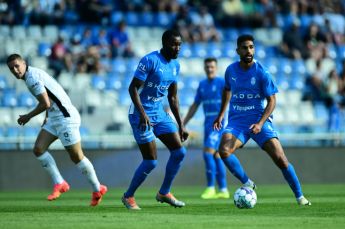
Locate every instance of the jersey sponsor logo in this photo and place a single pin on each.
(161, 70)
(246, 96)
(243, 108)
(158, 86)
(142, 67)
(154, 99)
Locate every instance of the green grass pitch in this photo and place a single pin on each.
(276, 208)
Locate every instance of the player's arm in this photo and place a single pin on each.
(43, 105)
(191, 112)
(174, 106)
(133, 92)
(217, 124)
(271, 103)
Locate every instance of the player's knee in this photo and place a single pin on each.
(178, 154)
(38, 151)
(226, 151)
(149, 165)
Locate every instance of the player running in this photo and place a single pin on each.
(154, 79)
(62, 121)
(250, 84)
(209, 93)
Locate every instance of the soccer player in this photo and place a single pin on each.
(155, 78)
(62, 121)
(250, 84)
(209, 93)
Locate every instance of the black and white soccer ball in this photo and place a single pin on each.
(245, 197)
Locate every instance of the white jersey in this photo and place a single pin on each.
(38, 82)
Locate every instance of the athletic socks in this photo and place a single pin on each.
(235, 167)
(292, 179)
(210, 165)
(140, 175)
(48, 163)
(220, 173)
(87, 169)
(173, 165)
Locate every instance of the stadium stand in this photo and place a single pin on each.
(97, 83)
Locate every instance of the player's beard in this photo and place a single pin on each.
(247, 59)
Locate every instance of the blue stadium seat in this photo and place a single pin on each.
(229, 50)
(44, 49)
(341, 52)
(9, 98)
(146, 19)
(199, 50)
(26, 99)
(124, 98)
(86, 143)
(116, 17)
(113, 83)
(230, 34)
(3, 82)
(163, 19)
(118, 65)
(186, 50)
(132, 18)
(213, 49)
(98, 82)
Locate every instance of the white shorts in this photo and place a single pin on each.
(66, 129)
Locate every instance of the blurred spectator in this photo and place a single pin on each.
(315, 41)
(89, 62)
(60, 59)
(120, 43)
(292, 45)
(47, 12)
(95, 11)
(316, 84)
(203, 23)
(183, 23)
(102, 43)
(7, 11)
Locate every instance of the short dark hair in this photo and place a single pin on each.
(169, 34)
(13, 57)
(210, 59)
(244, 37)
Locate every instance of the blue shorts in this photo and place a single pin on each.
(160, 125)
(244, 133)
(212, 138)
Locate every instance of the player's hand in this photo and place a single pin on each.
(256, 128)
(183, 134)
(217, 124)
(144, 123)
(23, 119)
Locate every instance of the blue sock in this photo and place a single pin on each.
(292, 179)
(210, 169)
(221, 173)
(235, 168)
(173, 165)
(140, 175)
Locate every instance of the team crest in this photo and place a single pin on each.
(253, 80)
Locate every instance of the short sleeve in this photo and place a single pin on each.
(144, 68)
(198, 98)
(268, 85)
(227, 85)
(35, 85)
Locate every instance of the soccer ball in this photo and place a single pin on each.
(245, 197)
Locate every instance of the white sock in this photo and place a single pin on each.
(223, 190)
(48, 163)
(87, 169)
(249, 183)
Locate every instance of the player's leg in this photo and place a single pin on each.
(177, 153)
(267, 139)
(276, 152)
(230, 142)
(43, 141)
(69, 135)
(147, 145)
(210, 168)
(221, 177)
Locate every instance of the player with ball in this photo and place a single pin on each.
(250, 84)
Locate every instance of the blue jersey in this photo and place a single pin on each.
(249, 88)
(158, 74)
(209, 93)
